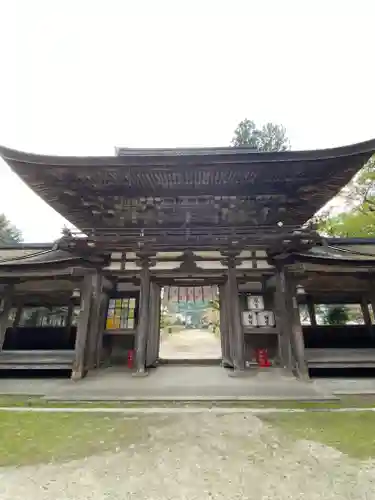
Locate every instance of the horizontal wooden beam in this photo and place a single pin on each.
(333, 297)
(96, 234)
(43, 273)
(334, 269)
(268, 188)
(178, 239)
(202, 274)
(119, 331)
(261, 330)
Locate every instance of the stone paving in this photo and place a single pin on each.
(170, 382)
(347, 386)
(179, 382)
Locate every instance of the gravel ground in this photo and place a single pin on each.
(200, 457)
(198, 343)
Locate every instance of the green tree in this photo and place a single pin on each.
(336, 316)
(215, 304)
(271, 137)
(8, 233)
(358, 199)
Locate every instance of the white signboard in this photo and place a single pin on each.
(255, 302)
(249, 318)
(266, 318)
(254, 319)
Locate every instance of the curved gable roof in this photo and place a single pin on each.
(117, 191)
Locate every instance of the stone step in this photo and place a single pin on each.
(193, 362)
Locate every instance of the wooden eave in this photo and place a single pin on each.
(156, 189)
(336, 287)
(43, 273)
(332, 259)
(45, 264)
(43, 257)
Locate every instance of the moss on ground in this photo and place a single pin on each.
(351, 433)
(30, 438)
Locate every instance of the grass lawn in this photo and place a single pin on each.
(29, 438)
(351, 433)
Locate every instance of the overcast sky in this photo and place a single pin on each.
(83, 76)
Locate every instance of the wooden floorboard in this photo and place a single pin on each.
(36, 360)
(340, 358)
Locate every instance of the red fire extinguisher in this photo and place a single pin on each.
(130, 359)
(262, 358)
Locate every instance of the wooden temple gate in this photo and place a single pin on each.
(146, 219)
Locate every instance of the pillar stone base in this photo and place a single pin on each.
(78, 375)
(226, 363)
(140, 374)
(274, 371)
(239, 373)
(303, 376)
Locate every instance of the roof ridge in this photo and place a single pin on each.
(9, 154)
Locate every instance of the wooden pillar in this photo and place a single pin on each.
(69, 317)
(229, 314)
(78, 370)
(4, 314)
(372, 302)
(237, 341)
(143, 323)
(17, 317)
(283, 320)
(103, 309)
(298, 343)
(224, 326)
(366, 314)
(153, 341)
(93, 332)
(311, 310)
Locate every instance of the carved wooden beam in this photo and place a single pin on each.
(231, 257)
